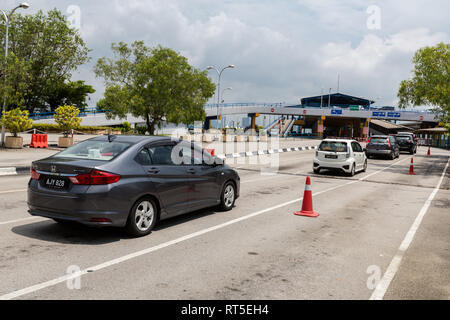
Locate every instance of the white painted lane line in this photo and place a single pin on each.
(383, 285)
(13, 191)
(18, 220)
(61, 279)
(376, 172)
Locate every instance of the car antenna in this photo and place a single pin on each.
(111, 137)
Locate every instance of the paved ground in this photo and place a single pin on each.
(259, 250)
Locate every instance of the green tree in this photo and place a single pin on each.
(47, 51)
(16, 121)
(430, 84)
(156, 84)
(67, 118)
(73, 93)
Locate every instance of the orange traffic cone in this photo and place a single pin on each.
(411, 167)
(429, 151)
(307, 207)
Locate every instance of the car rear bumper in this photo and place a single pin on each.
(345, 166)
(376, 152)
(82, 208)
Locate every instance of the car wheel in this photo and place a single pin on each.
(365, 166)
(228, 197)
(316, 171)
(352, 173)
(392, 155)
(411, 151)
(142, 217)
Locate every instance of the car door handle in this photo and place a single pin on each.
(153, 170)
(191, 171)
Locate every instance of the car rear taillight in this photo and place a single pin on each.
(369, 140)
(95, 177)
(389, 142)
(348, 152)
(34, 174)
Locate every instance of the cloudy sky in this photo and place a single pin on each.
(283, 50)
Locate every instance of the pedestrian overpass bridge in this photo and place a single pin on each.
(93, 117)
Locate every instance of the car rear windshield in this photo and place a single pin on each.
(334, 146)
(94, 150)
(379, 141)
(404, 138)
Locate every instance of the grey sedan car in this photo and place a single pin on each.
(129, 181)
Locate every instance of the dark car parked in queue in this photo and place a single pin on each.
(407, 143)
(129, 181)
(386, 146)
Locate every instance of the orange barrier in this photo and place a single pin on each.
(429, 151)
(307, 207)
(39, 141)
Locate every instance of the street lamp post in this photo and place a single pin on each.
(7, 17)
(219, 73)
(329, 98)
(223, 120)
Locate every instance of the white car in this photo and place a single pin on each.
(340, 154)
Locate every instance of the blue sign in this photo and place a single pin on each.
(336, 111)
(378, 114)
(394, 114)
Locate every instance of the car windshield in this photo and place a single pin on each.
(334, 146)
(378, 141)
(94, 150)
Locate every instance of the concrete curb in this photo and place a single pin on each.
(24, 170)
(14, 171)
(262, 152)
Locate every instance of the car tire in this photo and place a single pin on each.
(316, 171)
(227, 197)
(392, 156)
(142, 217)
(365, 166)
(353, 171)
(411, 151)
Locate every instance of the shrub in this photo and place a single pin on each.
(67, 118)
(141, 130)
(17, 121)
(126, 127)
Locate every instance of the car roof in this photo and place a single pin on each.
(339, 140)
(132, 139)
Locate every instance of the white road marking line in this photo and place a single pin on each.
(61, 279)
(13, 191)
(18, 220)
(393, 267)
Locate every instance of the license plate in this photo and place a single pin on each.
(331, 156)
(56, 183)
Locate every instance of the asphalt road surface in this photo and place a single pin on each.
(380, 234)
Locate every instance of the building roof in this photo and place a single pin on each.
(338, 98)
(388, 125)
(433, 130)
